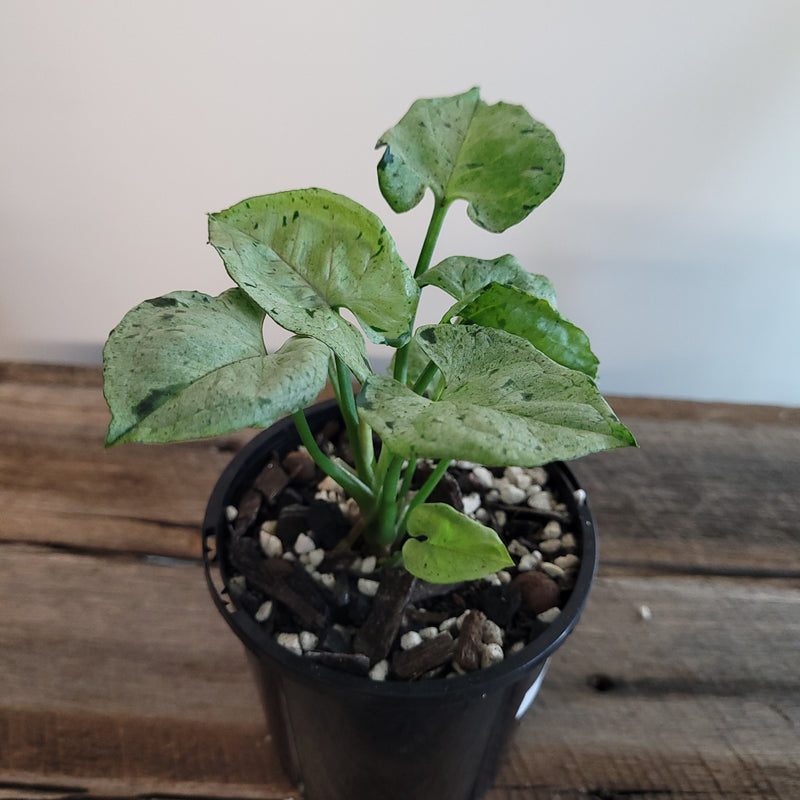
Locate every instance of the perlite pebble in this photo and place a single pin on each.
(516, 647)
(580, 496)
(549, 616)
(410, 639)
(491, 633)
(568, 543)
(516, 548)
(539, 475)
(483, 477)
(472, 502)
(231, 512)
(291, 641)
(549, 547)
(542, 501)
(552, 530)
(327, 579)
(430, 632)
(264, 611)
(304, 544)
(380, 671)
(316, 557)
(567, 563)
(491, 654)
(308, 640)
(368, 587)
(511, 494)
(530, 561)
(505, 577)
(492, 580)
(368, 565)
(271, 545)
(553, 570)
(451, 623)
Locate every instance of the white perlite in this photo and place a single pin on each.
(368, 587)
(530, 561)
(304, 544)
(231, 512)
(542, 501)
(516, 548)
(511, 494)
(491, 654)
(264, 611)
(553, 570)
(491, 633)
(472, 502)
(327, 579)
(483, 477)
(316, 557)
(549, 616)
(552, 530)
(271, 545)
(430, 632)
(568, 563)
(308, 640)
(368, 565)
(410, 639)
(291, 641)
(380, 671)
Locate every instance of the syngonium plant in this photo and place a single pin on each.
(504, 379)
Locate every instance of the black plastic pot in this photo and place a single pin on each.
(344, 737)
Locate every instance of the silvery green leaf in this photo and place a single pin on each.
(303, 255)
(503, 403)
(186, 366)
(497, 158)
(461, 276)
(453, 547)
(532, 318)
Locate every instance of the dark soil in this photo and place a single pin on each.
(333, 602)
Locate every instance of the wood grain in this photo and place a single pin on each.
(119, 679)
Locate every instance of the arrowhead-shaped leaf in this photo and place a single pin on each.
(532, 318)
(303, 255)
(497, 158)
(504, 403)
(461, 276)
(187, 366)
(455, 547)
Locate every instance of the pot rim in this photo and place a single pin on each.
(246, 465)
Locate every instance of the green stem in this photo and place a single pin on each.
(408, 477)
(343, 388)
(423, 262)
(426, 376)
(386, 513)
(431, 235)
(367, 448)
(352, 484)
(424, 493)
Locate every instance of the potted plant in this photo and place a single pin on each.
(444, 476)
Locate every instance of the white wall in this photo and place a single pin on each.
(674, 239)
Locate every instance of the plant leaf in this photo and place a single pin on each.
(456, 548)
(497, 158)
(303, 255)
(461, 276)
(504, 403)
(186, 366)
(532, 318)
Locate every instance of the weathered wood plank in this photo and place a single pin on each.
(131, 659)
(699, 494)
(712, 484)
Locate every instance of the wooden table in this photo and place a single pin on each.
(118, 678)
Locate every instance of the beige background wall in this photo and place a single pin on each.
(674, 239)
